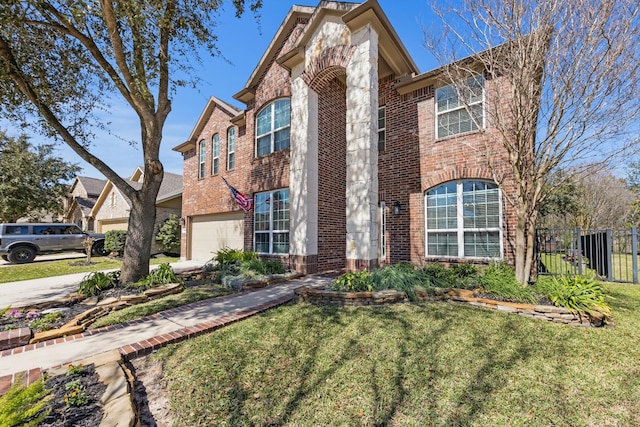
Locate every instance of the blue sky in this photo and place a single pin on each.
(242, 44)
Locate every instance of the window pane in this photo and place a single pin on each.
(216, 165)
(232, 161)
(264, 145)
(262, 210)
(231, 139)
(281, 243)
(484, 244)
(281, 140)
(216, 145)
(282, 114)
(262, 243)
(264, 122)
(442, 244)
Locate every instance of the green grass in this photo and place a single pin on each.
(40, 270)
(188, 296)
(622, 265)
(430, 364)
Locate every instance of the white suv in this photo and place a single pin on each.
(20, 243)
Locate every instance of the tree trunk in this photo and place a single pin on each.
(521, 246)
(142, 218)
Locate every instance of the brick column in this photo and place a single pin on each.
(303, 187)
(362, 151)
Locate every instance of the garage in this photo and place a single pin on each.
(209, 233)
(112, 224)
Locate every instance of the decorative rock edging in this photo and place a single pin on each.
(18, 337)
(542, 312)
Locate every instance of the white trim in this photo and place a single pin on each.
(462, 106)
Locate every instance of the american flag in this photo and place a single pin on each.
(242, 200)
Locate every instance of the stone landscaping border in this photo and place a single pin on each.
(548, 313)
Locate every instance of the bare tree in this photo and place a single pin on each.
(61, 61)
(571, 92)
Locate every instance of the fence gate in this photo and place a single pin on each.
(611, 254)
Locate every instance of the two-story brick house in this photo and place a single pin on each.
(352, 156)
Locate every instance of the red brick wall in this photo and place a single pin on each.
(414, 161)
(332, 172)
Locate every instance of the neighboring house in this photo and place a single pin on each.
(354, 159)
(82, 196)
(111, 210)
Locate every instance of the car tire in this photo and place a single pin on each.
(22, 255)
(98, 249)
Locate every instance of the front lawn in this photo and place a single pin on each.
(409, 365)
(38, 270)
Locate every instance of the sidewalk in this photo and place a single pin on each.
(27, 292)
(143, 336)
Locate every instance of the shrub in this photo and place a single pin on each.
(96, 282)
(356, 281)
(162, 275)
(22, 405)
(169, 233)
(264, 267)
(114, 240)
(580, 294)
(228, 256)
(499, 279)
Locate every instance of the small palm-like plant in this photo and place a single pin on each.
(580, 294)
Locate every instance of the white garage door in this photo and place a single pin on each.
(209, 233)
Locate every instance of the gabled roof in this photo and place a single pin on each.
(393, 55)
(92, 186)
(289, 22)
(213, 102)
(171, 187)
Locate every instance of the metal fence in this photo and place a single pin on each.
(610, 253)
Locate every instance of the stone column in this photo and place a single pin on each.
(362, 151)
(303, 187)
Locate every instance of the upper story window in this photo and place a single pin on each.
(382, 128)
(273, 127)
(215, 154)
(231, 148)
(460, 109)
(201, 157)
(463, 219)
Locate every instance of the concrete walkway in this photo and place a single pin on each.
(141, 337)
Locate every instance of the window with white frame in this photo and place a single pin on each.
(273, 127)
(383, 231)
(231, 148)
(215, 154)
(271, 222)
(382, 128)
(460, 108)
(463, 220)
(201, 158)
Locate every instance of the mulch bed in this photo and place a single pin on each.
(61, 414)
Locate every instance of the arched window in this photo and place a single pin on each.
(273, 127)
(231, 148)
(215, 155)
(201, 158)
(463, 220)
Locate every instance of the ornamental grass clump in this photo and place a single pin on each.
(23, 405)
(582, 295)
(401, 277)
(499, 279)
